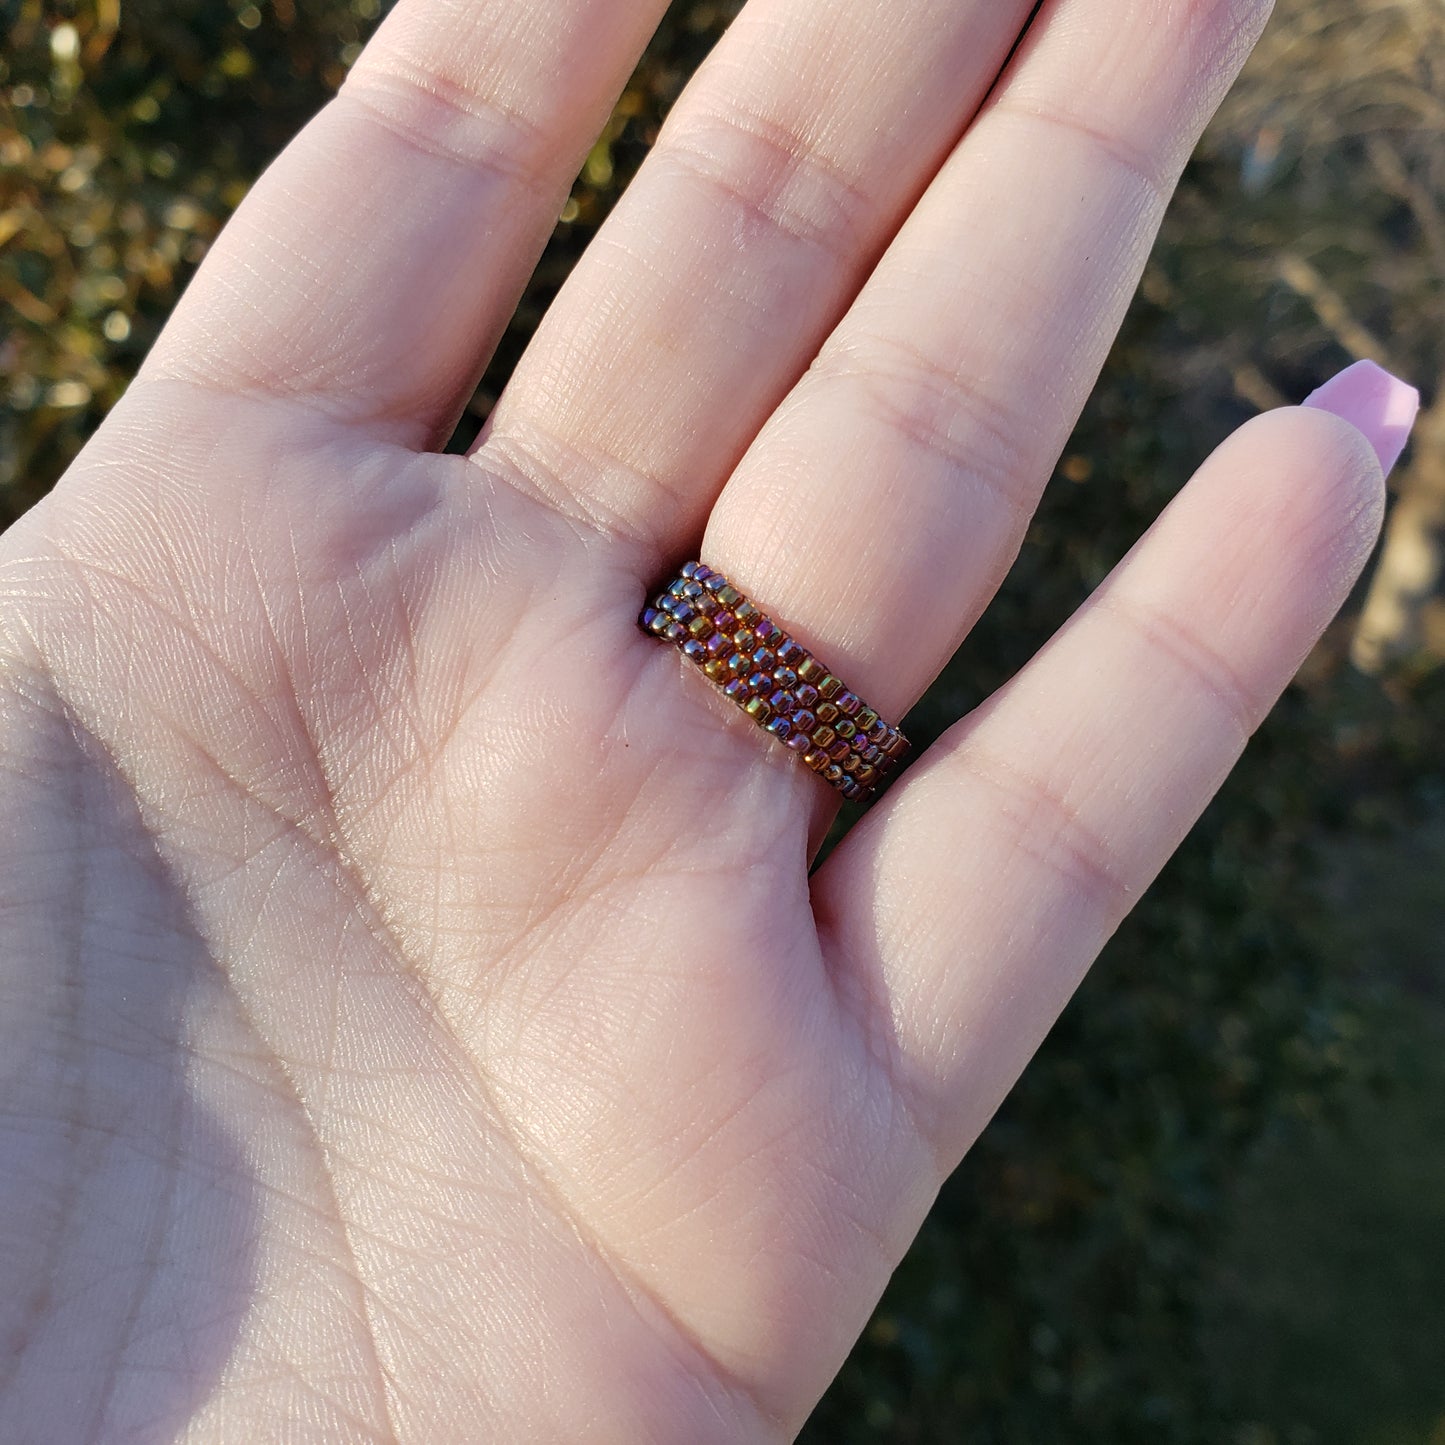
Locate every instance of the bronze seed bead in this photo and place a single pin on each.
(782, 686)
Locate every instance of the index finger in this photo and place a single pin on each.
(373, 267)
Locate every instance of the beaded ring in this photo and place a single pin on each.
(776, 681)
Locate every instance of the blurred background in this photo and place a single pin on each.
(1214, 1211)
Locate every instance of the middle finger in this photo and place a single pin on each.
(782, 173)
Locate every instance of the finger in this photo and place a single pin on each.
(974, 898)
(912, 454)
(373, 267)
(781, 174)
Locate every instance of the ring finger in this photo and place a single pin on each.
(912, 453)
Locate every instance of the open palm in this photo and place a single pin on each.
(418, 1019)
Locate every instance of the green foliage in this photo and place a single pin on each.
(1358, 1219)
(1059, 1289)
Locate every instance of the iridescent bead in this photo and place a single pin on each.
(780, 684)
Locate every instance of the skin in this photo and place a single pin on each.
(417, 1019)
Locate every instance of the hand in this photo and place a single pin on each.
(419, 1021)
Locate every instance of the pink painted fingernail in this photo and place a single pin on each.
(1380, 405)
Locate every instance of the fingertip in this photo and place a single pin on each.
(1378, 404)
(1294, 501)
(1328, 468)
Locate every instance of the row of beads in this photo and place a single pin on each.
(776, 681)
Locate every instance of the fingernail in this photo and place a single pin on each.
(1380, 405)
